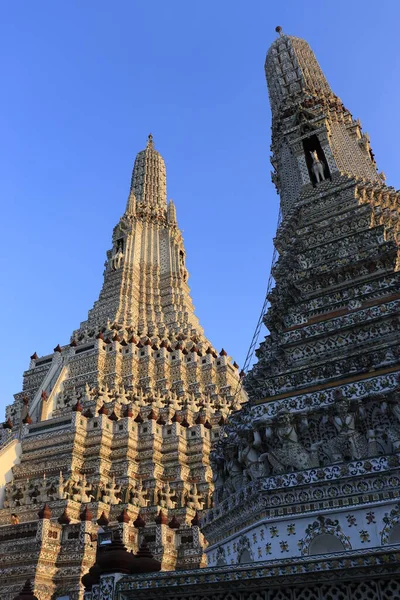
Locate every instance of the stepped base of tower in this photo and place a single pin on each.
(370, 574)
(139, 465)
(55, 552)
(101, 456)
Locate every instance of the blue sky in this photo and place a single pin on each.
(83, 83)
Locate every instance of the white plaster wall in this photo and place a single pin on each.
(10, 455)
(287, 538)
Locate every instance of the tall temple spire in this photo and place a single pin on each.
(310, 124)
(324, 395)
(145, 280)
(129, 410)
(149, 176)
(293, 75)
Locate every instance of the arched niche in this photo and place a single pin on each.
(394, 535)
(245, 557)
(325, 543)
(312, 144)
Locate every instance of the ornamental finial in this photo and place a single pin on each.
(278, 29)
(150, 141)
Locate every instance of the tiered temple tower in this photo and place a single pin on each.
(307, 478)
(311, 465)
(114, 430)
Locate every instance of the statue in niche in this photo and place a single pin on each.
(158, 496)
(233, 468)
(98, 491)
(117, 256)
(111, 492)
(34, 493)
(393, 431)
(349, 443)
(52, 490)
(166, 498)
(15, 496)
(60, 487)
(219, 474)
(127, 495)
(183, 498)
(60, 403)
(208, 500)
(86, 488)
(141, 495)
(288, 453)
(136, 495)
(43, 497)
(182, 268)
(195, 500)
(249, 455)
(317, 167)
(25, 494)
(72, 489)
(8, 496)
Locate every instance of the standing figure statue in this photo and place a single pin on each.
(349, 443)
(288, 453)
(195, 499)
(249, 455)
(52, 490)
(317, 167)
(233, 468)
(393, 431)
(166, 497)
(127, 494)
(117, 257)
(43, 497)
(14, 496)
(86, 489)
(61, 487)
(34, 493)
(67, 488)
(219, 474)
(141, 495)
(111, 492)
(98, 491)
(8, 496)
(75, 493)
(136, 495)
(208, 500)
